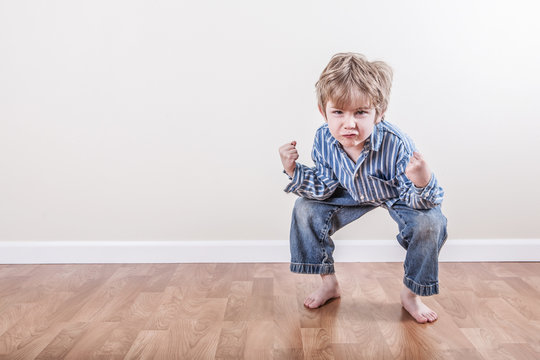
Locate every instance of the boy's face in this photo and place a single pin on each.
(353, 124)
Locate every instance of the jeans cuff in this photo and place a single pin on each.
(421, 290)
(312, 268)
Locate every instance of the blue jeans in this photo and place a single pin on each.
(421, 232)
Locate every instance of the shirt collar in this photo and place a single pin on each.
(331, 140)
(376, 137)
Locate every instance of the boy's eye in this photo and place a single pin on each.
(339, 112)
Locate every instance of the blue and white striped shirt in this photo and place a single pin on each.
(377, 177)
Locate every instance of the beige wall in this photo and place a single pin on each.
(132, 120)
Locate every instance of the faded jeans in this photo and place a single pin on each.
(421, 232)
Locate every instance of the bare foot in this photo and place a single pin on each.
(329, 289)
(418, 310)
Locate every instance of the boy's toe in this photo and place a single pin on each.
(431, 316)
(313, 305)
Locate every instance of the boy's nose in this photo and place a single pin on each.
(350, 123)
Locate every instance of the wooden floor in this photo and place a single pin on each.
(255, 311)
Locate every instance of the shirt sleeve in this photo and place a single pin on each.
(318, 182)
(417, 198)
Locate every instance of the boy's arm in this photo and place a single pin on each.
(418, 186)
(318, 182)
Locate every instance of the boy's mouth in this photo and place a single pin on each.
(349, 135)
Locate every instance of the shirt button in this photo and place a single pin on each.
(361, 197)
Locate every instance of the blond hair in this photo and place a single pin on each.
(349, 75)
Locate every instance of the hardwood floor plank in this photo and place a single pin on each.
(400, 331)
(263, 287)
(62, 343)
(224, 275)
(193, 280)
(237, 302)
(110, 298)
(10, 271)
(159, 277)
(287, 334)
(167, 311)
(524, 288)
(235, 271)
(368, 335)
(90, 340)
(75, 303)
(316, 344)
(129, 270)
(193, 339)
(232, 340)
(463, 354)
(212, 309)
(269, 270)
(120, 305)
(493, 288)
(446, 332)
(332, 312)
(456, 276)
(371, 290)
(519, 351)
(99, 298)
(284, 284)
(147, 345)
(259, 340)
(355, 351)
(341, 331)
(220, 287)
(526, 303)
(32, 346)
(121, 338)
(513, 269)
(288, 353)
(533, 282)
(519, 328)
(260, 308)
(32, 324)
(535, 326)
(457, 305)
(285, 306)
(13, 291)
(12, 314)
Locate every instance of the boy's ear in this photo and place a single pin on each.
(322, 112)
(380, 118)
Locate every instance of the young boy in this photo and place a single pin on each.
(362, 162)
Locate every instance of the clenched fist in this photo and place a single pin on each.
(418, 171)
(289, 155)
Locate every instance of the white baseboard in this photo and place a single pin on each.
(64, 252)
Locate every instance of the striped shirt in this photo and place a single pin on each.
(378, 177)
